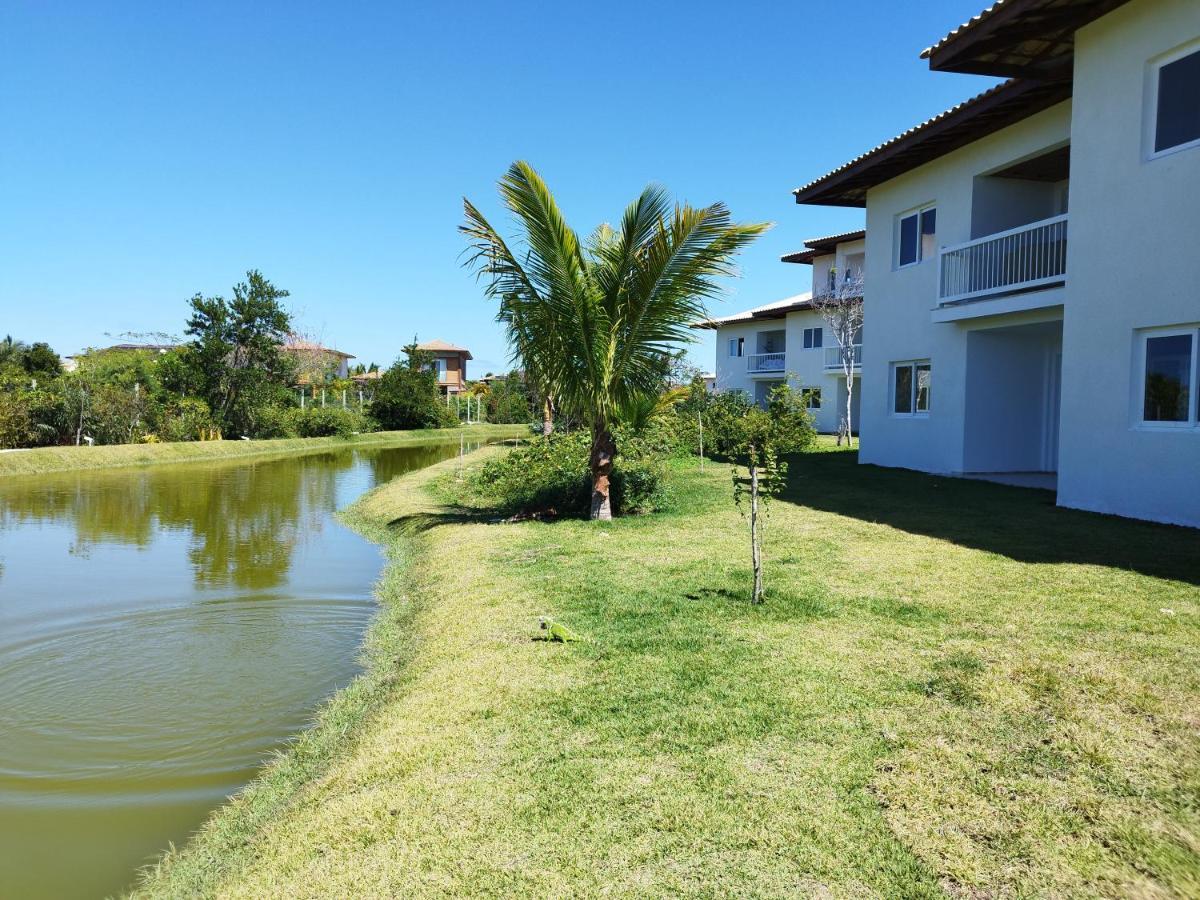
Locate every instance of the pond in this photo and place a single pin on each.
(162, 631)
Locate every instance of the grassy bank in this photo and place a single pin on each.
(62, 459)
(955, 688)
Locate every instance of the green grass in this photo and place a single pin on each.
(954, 689)
(62, 459)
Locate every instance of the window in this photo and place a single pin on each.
(916, 236)
(812, 398)
(911, 382)
(1176, 91)
(814, 338)
(737, 346)
(439, 366)
(1170, 379)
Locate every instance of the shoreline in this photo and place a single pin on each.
(390, 645)
(43, 460)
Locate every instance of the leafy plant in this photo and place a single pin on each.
(549, 477)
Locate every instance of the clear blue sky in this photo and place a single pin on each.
(150, 151)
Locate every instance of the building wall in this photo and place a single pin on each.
(1133, 262)
(899, 302)
(456, 370)
(802, 368)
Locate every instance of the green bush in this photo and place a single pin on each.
(185, 419)
(330, 421)
(549, 476)
(312, 421)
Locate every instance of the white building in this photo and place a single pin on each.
(761, 348)
(1033, 265)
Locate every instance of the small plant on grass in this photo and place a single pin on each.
(755, 438)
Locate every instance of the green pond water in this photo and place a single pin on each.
(162, 631)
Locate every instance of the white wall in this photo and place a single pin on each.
(899, 302)
(1133, 261)
(802, 368)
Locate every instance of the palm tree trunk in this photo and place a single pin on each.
(604, 448)
(547, 417)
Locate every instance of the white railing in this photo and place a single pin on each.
(1029, 256)
(765, 362)
(833, 356)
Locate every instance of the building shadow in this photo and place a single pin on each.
(1023, 524)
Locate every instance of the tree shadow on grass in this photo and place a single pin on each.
(418, 523)
(1020, 523)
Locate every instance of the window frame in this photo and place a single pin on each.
(738, 343)
(915, 212)
(1192, 423)
(809, 338)
(914, 391)
(1153, 78)
(811, 393)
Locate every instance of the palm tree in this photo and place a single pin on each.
(590, 321)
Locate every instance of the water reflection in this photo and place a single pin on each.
(161, 630)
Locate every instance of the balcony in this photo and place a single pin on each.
(765, 363)
(1024, 258)
(833, 357)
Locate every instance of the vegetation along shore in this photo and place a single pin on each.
(1018, 719)
(63, 459)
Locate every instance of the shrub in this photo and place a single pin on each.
(549, 476)
(277, 422)
(330, 421)
(185, 419)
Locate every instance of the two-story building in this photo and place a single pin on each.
(789, 341)
(451, 364)
(1032, 274)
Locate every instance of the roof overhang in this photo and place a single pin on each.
(1018, 39)
(996, 108)
(822, 246)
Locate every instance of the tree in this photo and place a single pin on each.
(236, 351)
(41, 361)
(408, 396)
(841, 306)
(591, 321)
(756, 438)
(11, 351)
(508, 402)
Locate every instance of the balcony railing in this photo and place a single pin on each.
(765, 362)
(833, 357)
(1030, 256)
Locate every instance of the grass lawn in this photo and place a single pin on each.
(63, 459)
(954, 688)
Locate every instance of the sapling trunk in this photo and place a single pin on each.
(755, 533)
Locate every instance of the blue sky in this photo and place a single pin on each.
(150, 151)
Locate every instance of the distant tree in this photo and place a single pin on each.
(509, 401)
(236, 356)
(40, 361)
(11, 352)
(407, 395)
(756, 438)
